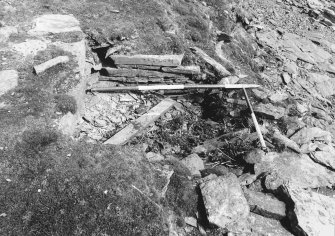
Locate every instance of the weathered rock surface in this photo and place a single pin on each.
(55, 23)
(262, 226)
(282, 139)
(224, 201)
(306, 135)
(269, 111)
(194, 163)
(325, 155)
(265, 204)
(299, 170)
(278, 97)
(310, 213)
(8, 80)
(324, 84)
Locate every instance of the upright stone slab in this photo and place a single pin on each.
(224, 201)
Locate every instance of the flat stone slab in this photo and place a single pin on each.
(310, 213)
(224, 201)
(269, 111)
(150, 60)
(298, 170)
(265, 204)
(55, 23)
(8, 80)
(266, 227)
(306, 135)
(30, 47)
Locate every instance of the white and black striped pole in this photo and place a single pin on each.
(172, 87)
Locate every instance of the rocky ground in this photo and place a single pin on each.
(74, 161)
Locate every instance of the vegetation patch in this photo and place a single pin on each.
(65, 103)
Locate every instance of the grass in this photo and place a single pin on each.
(65, 104)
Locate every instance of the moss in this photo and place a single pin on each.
(65, 104)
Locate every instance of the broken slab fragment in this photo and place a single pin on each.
(217, 66)
(8, 80)
(186, 70)
(269, 111)
(306, 135)
(150, 60)
(310, 213)
(141, 123)
(48, 64)
(299, 170)
(265, 204)
(224, 201)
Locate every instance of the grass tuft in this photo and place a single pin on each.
(65, 104)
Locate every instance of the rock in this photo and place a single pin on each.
(259, 93)
(269, 111)
(282, 139)
(306, 135)
(286, 78)
(224, 201)
(67, 124)
(262, 226)
(194, 163)
(38, 69)
(278, 97)
(324, 84)
(191, 221)
(54, 23)
(310, 213)
(247, 179)
(254, 156)
(315, 4)
(150, 60)
(232, 79)
(8, 80)
(298, 170)
(6, 32)
(291, 68)
(154, 157)
(265, 204)
(220, 69)
(187, 70)
(30, 47)
(293, 124)
(326, 156)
